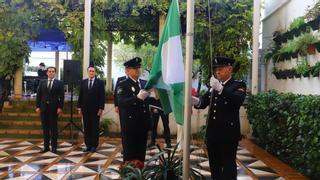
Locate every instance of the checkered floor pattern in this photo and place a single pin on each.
(20, 159)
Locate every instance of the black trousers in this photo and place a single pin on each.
(91, 128)
(135, 145)
(165, 122)
(49, 124)
(222, 159)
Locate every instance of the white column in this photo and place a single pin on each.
(86, 40)
(255, 39)
(17, 84)
(57, 54)
(187, 90)
(109, 66)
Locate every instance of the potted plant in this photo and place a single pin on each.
(164, 165)
(304, 41)
(295, 25)
(289, 50)
(167, 166)
(131, 170)
(105, 124)
(311, 49)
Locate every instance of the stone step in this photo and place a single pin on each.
(32, 132)
(21, 114)
(30, 123)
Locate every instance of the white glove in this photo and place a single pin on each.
(215, 84)
(143, 94)
(195, 101)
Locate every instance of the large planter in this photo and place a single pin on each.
(109, 99)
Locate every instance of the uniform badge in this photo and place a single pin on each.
(119, 91)
(133, 89)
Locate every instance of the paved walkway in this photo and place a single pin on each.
(20, 159)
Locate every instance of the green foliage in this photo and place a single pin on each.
(289, 47)
(296, 23)
(105, 124)
(164, 165)
(231, 30)
(123, 52)
(315, 70)
(17, 25)
(288, 126)
(303, 67)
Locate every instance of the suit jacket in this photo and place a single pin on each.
(115, 98)
(134, 112)
(54, 98)
(91, 99)
(223, 123)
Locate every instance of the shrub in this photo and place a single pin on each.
(288, 126)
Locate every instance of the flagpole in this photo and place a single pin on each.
(188, 87)
(255, 49)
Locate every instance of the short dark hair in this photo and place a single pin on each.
(51, 67)
(91, 67)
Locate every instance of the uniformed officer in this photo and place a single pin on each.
(134, 112)
(223, 128)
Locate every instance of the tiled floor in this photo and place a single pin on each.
(20, 159)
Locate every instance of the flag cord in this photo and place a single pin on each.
(202, 145)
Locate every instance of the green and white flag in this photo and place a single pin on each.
(167, 73)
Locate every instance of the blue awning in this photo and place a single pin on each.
(50, 40)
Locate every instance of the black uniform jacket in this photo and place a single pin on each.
(115, 97)
(223, 123)
(93, 99)
(54, 97)
(134, 112)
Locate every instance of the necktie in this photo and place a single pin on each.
(90, 84)
(138, 84)
(50, 84)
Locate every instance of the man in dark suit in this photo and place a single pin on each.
(50, 99)
(223, 129)
(90, 106)
(134, 112)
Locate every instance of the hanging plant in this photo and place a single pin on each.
(315, 70)
(303, 68)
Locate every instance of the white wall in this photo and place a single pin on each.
(278, 16)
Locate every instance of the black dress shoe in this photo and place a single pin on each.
(93, 149)
(86, 149)
(44, 151)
